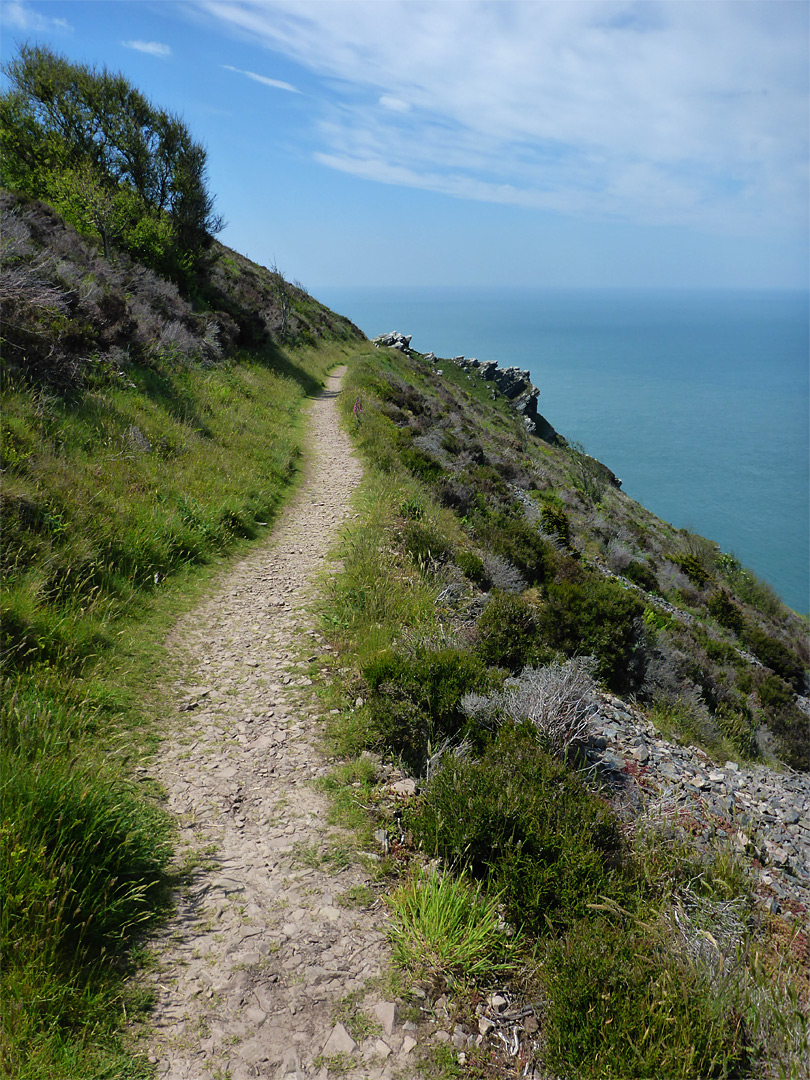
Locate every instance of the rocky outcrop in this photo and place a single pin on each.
(394, 340)
(513, 382)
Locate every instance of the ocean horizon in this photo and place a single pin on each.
(697, 400)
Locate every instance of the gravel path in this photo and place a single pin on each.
(261, 951)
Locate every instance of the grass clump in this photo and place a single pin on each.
(446, 928)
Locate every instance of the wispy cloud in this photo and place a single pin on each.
(153, 48)
(20, 16)
(277, 84)
(649, 111)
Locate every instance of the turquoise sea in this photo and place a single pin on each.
(697, 400)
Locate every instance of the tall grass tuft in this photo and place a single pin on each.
(446, 928)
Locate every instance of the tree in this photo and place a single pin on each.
(62, 121)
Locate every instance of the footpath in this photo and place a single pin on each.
(261, 957)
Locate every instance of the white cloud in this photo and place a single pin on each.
(649, 111)
(21, 17)
(153, 48)
(394, 104)
(275, 83)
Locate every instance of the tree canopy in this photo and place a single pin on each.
(93, 146)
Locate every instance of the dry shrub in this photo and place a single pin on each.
(559, 700)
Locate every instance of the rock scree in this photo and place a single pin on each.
(249, 971)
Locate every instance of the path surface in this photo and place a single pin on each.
(251, 970)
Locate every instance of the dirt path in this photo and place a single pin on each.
(251, 970)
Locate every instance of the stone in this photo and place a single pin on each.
(382, 1048)
(408, 1043)
(387, 1014)
(404, 787)
(339, 1042)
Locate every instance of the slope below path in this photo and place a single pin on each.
(261, 951)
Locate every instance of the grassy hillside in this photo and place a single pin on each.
(495, 587)
(144, 435)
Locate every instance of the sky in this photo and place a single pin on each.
(568, 143)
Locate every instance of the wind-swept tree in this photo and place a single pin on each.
(60, 121)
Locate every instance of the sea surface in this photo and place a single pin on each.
(697, 400)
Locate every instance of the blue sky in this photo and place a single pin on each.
(571, 143)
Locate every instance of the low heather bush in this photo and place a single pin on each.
(507, 633)
(523, 821)
(620, 1003)
(591, 616)
(415, 699)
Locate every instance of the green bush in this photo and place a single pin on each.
(508, 634)
(643, 575)
(786, 720)
(414, 700)
(727, 613)
(555, 521)
(773, 654)
(525, 823)
(693, 568)
(591, 616)
(421, 465)
(618, 1005)
(472, 566)
(516, 540)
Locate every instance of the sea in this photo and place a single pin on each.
(697, 400)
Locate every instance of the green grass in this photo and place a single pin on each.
(445, 928)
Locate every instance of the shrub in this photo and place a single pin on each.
(773, 654)
(595, 617)
(727, 613)
(693, 568)
(503, 575)
(421, 465)
(557, 700)
(414, 701)
(555, 521)
(643, 575)
(515, 539)
(521, 820)
(619, 1005)
(507, 633)
(472, 566)
(787, 721)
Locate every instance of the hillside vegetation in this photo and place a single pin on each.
(498, 587)
(152, 389)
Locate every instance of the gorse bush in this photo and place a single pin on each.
(517, 818)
